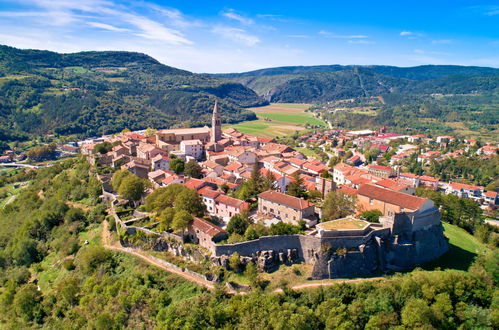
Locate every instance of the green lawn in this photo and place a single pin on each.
(308, 152)
(463, 248)
(278, 119)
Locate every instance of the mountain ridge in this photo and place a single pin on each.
(92, 93)
(329, 83)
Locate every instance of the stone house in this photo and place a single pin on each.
(491, 197)
(464, 190)
(409, 179)
(226, 207)
(139, 169)
(160, 162)
(208, 195)
(241, 154)
(428, 182)
(389, 202)
(380, 171)
(205, 233)
(287, 208)
(192, 148)
(144, 150)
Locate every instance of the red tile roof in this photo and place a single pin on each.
(206, 227)
(348, 190)
(409, 175)
(379, 167)
(208, 192)
(280, 198)
(392, 197)
(491, 194)
(427, 178)
(391, 184)
(459, 186)
(236, 203)
(194, 183)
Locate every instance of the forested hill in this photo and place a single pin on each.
(326, 83)
(92, 93)
(421, 72)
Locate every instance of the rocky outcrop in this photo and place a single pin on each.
(266, 261)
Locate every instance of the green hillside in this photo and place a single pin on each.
(92, 93)
(421, 72)
(335, 82)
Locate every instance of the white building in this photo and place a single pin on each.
(193, 148)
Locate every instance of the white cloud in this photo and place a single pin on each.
(442, 42)
(361, 41)
(107, 27)
(238, 35)
(298, 36)
(69, 12)
(153, 30)
(410, 34)
(339, 36)
(241, 19)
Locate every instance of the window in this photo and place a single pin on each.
(371, 201)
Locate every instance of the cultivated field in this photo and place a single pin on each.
(278, 119)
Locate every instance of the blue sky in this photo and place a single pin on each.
(235, 36)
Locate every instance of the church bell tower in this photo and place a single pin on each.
(216, 125)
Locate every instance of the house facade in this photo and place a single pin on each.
(287, 208)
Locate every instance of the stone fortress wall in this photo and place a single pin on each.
(396, 244)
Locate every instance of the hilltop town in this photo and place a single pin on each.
(280, 201)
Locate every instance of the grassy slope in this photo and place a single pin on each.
(463, 248)
(278, 119)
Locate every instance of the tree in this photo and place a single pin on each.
(239, 223)
(256, 178)
(150, 132)
(296, 187)
(268, 182)
(102, 148)
(334, 161)
(166, 218)
(337, 205)
(177, 165)
(372, 215)
(27, 302)
(245, 191)
(193, 169)
(163, 197)
(252, 274)
(189, 200)
(131, 188)
(118, 177)
(416, 313)
(314, 195)
(42, 152)
(181, 220)
(235, 263)
(224, 187)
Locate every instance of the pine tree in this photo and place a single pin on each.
(296, 187)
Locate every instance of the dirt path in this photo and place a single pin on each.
(106, 241)
(333, 282)
(10, 200)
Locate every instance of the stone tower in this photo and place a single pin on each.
(216, 125)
